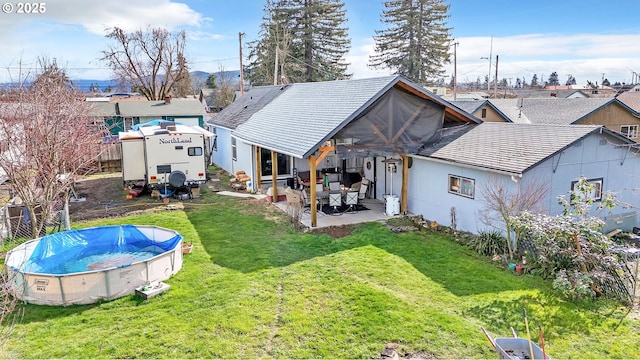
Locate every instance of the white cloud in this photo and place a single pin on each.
(96, 16)
(584, 56)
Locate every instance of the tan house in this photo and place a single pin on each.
(482, 109)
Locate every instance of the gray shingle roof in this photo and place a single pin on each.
(548, 111)
(307, 114)
(177, 107)
(468, 106)
(631, 99)
(105, 109)
(246, 105)
(513, 148)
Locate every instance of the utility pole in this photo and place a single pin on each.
(495, 85)
(455, 71)
(241, 71)
(275, 69)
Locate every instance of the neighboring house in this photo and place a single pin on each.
(611, 113)
(466, 96)
(631, 99)
(336, 127)
(482, 109)
(120, 114)
(453, 173)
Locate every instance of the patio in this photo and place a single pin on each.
(375, 212)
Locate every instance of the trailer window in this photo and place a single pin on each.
(194, 151)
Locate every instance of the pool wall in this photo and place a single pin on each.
(91, 286)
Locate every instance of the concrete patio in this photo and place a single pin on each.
(375, 212)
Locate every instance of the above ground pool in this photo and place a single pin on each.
(88, 265)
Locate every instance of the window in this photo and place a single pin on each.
(630, 131)
(462, 186)
(215, 138)
(234, 149)
(284, 163)
(484, 113)
(194, 151)
(128, 122)
(596, 194)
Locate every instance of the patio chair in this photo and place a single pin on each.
(362, 192)
(334, 186)
(351, 200)
(306, 202)
(335, 200)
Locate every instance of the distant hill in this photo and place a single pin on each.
(201, 77)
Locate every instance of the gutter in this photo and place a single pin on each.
(513, 175)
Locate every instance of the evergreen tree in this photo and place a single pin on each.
(416, 41)
(534, 80)
(212, 81)
(310, 40)
(553, 79)
(571, 80)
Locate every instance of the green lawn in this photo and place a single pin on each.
(254, 287)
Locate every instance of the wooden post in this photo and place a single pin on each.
(312, 187)
(274, 176)
(405, 184)
(258, 168)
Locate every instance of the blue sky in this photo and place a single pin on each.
(584, 38)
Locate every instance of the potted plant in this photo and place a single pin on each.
(187, 248)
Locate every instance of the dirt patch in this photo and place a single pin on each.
(105, 196)
(334, 231)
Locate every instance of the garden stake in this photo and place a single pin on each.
(526, 323)
(544, 354)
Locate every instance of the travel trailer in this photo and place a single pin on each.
(156, 152)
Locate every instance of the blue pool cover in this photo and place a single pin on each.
(54, 253)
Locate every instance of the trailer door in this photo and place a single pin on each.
(133, 167)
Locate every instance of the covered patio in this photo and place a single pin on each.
(351, 122)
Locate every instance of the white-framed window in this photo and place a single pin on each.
(630, 131)
(462, 186)
(234, 149)
(484, 113)
(596, 194)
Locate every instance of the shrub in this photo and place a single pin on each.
(489, 243)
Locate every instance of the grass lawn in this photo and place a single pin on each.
(254, 287)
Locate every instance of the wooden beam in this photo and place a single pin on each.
(274, 176)
(258, 168)
(407, 123)
(312, 188)
(405, 184)
(324, 151)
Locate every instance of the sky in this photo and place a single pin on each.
(590, 40)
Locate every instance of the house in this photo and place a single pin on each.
(410, 143)
(482, 109)
(121, 113)
(454, 173)
(612, 113)
(339, 129)
(631, 99)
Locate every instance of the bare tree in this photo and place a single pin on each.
(504, 200)
(48, 138)
(225, 93)
(152, 62)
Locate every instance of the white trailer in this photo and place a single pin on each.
(150, 153)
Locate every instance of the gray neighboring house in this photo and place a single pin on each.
(455, 172)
